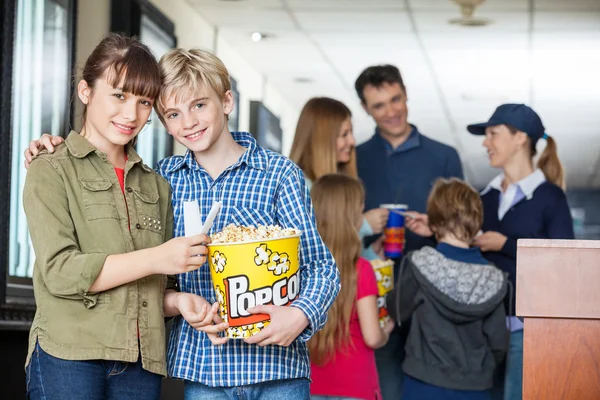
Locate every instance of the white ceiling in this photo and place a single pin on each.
(545, 53)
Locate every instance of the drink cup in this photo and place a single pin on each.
(393, 244)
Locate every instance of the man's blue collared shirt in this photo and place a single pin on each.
(405, 174)
(412, 142)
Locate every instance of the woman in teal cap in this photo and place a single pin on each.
(524, 201)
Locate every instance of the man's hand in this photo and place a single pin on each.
(490, 241)
(377, 218)
(45, 142)
(286, 324)
(202, 316)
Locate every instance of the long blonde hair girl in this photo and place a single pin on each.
(314, 147)
(338, 202)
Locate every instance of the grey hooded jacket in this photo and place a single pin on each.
(458, 329)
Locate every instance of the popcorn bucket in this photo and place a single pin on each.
(252, 273)
(384, 272)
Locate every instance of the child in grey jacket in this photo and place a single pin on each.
(453, 299)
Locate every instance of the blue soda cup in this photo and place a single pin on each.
(393, 243)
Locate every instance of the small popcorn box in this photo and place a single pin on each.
(384, 272)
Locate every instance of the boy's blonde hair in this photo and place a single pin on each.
(185, 71)
(454, 207)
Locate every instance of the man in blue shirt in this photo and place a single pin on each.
(397, 165)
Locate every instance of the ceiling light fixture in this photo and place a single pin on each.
(467, 9)
(260, 36)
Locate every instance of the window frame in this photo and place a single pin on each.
(262, 122)
(17, 304)
(234, 123)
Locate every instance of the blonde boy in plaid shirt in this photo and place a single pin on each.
(256, 186)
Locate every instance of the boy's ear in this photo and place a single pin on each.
(228, 102)
(84, 92)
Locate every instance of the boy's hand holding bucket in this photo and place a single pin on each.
(286, 323)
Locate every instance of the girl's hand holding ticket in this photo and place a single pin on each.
(181, 255)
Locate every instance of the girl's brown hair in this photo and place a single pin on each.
(548, 162)
(125, 61)
(338, 201)
(314, 147)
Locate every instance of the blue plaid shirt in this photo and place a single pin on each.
(262, 187)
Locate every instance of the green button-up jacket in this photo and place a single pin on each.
(78, 215)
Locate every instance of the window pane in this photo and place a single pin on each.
(153, 141)
(39, 104)
(234, 115)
